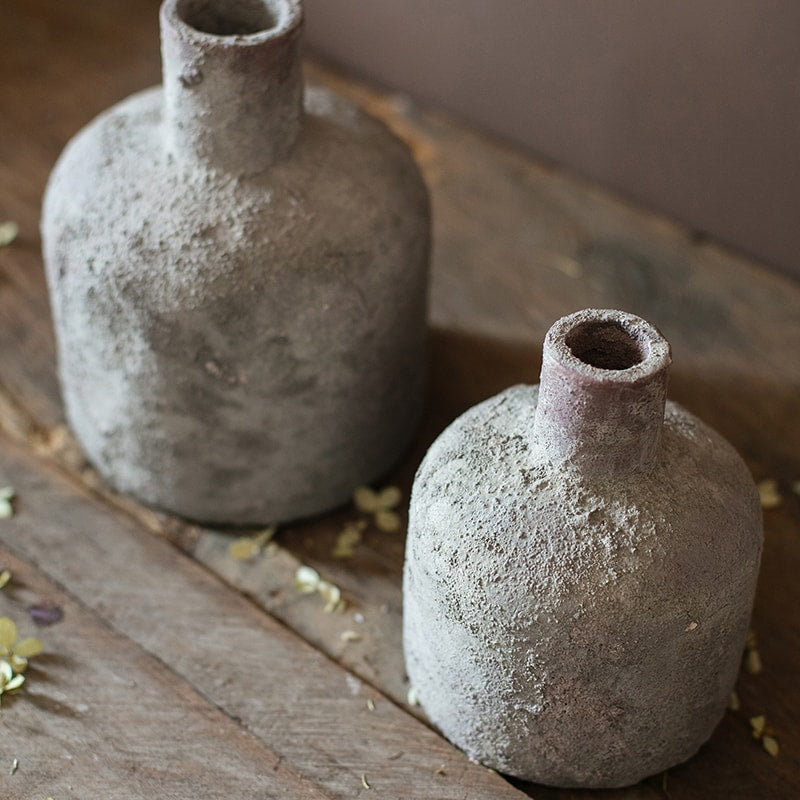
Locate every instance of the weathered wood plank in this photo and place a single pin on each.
(315, 716)
(99, 716)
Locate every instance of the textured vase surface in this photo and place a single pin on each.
(238, 267)
(580, 568)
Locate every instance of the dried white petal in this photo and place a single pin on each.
(306, 580)
(388, 521)
(350, 636)
(8, 232)
(411, 697)
(389, 497)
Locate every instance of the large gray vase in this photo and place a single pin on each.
(238, 272)
(580, 569)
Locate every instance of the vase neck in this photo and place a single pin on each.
(233, 83)
(602, 393)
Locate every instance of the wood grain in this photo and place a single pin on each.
(516, 245)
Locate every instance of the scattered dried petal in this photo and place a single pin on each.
(733, 703)
(331, 594)
(350, 636)
(243, 549)
(251, 546)
(5, 577)
(758, 724)
(8, 232)
(440, 770)
(752, 661)
(388, 521)
(770, 744)
(690, 627)
(7, 495)
(8, 635)
(366, 500)
(370, 704)
(14, 766)
(350, 536)
(306, 580)
(46, 613)
(389, 497)
(769, 493)
(28, 648)
(364, 781)
(411, 697)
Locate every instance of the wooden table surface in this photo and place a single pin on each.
(180, 672)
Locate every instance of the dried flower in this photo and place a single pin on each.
(251, 546)
(308, 581)
(348, 538)
(769, 494)
(7, 495)
(381, 505)
(46, 613)
(8, 232)
(5, 577)
(14, 653)
(765, 734)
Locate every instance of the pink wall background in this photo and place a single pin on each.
(691, 108)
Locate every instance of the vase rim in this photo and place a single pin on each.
(608, 346)
(279, 18)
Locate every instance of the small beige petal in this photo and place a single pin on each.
(752, 661)
(364, 781)
(28, 648)
(8, 232)
(6, 673)
(350, 636)
(5, 577)
(758, 724)
(8, 634)
(18, 663)
(366, 500)
(769, 494)
(388, 521)
(331, 594)
(770, 744)
(6, 509)
(389, 497)
(243, 549)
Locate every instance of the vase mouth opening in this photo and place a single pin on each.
(609, 345)
(242, 19)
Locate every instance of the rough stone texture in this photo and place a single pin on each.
(238, 347)
(569, 627)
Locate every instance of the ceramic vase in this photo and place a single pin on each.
(238, 269)
(580, 569)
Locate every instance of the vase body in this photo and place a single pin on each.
(238, 277)
(580, 567)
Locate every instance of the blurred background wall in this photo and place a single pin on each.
(691, 108)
